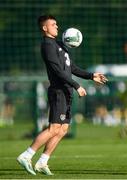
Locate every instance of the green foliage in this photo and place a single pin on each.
(102, 23)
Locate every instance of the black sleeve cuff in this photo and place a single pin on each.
(76, 85)
(91, 76)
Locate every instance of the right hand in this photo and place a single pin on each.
(81, 91)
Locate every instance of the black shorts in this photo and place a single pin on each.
(60, 103)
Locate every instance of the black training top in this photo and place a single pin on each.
(59, 65)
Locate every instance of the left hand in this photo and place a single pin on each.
(99, 78)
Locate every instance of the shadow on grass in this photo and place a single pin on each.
(90, 171)
(11, 172)
(67, 172)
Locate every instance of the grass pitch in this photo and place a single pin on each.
(97, 152)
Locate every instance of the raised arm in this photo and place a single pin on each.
(81, 72)
(97, 77)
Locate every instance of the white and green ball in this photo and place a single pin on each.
(72, 37)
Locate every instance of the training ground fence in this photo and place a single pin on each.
(24, 99)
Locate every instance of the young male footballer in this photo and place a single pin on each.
(59, 69)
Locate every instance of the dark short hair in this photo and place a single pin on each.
(42, 19)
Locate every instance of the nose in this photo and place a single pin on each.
(56, 27)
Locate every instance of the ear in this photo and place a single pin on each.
(44, 28)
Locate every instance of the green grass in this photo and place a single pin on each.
(97, 152)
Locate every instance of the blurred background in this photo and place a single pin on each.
(23, 79)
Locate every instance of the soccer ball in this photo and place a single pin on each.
(72, 37)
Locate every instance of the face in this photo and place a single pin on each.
(50, 28)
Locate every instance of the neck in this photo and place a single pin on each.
(49, 35)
